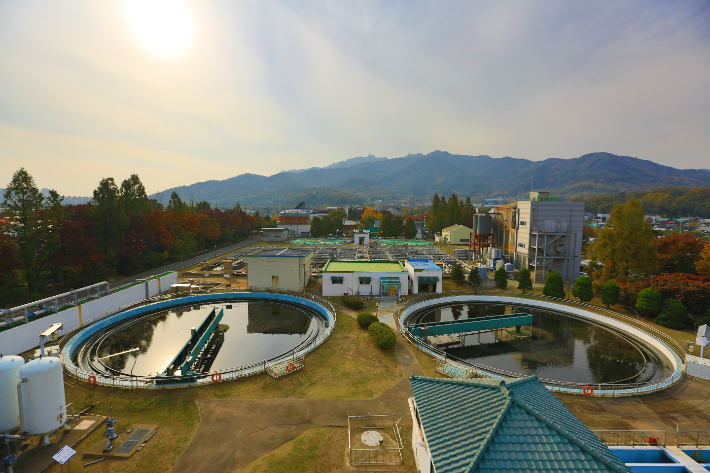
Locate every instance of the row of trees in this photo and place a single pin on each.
(443, 214)
(668, 201)
(121, 230)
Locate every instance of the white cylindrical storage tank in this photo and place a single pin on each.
(509, 267)
(496, 253)
(9, 377)
(43, 403)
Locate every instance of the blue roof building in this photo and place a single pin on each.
(424, 276)
(500, 425)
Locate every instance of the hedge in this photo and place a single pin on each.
(353, 302)
(383, 335)
(365, 319)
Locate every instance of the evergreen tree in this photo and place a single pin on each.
(175, 203)
(467, 212)
(453, 212)
(649, 302)
(327, 226)
(554, 285)
(610, 293)
(338, 227)
(111, 219)
(385, 227)
(583, 289)
(673, 315)
(316, 227)
(135, 200)
(397, 226)
(435, 215)
(443, 213)
(474, 279)
(410, 228)
(524, 281)
(457, 275)
(501, 277)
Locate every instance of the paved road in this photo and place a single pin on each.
(188, 262)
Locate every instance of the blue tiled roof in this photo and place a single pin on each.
(493, 425)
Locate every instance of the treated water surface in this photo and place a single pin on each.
(257, 331)
(560, 347)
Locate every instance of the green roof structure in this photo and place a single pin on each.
(364, 266)
(505, 425)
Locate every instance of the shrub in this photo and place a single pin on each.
(365, 319)
(674, 315)
(501, 277)
(383, 335)
(353, 302)
(583, 289)
(524, 281)
(610, 293)
(554, 285)
(649, 302)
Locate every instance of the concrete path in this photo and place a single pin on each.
(233, 433)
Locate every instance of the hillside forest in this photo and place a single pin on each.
(666, 202)
(120, 232)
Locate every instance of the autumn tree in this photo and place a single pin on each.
(679, 253)
(524, 281)
(554, 285)
(626, 247)
(410, 228)
(702, 266)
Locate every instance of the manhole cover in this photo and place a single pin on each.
(372, 438)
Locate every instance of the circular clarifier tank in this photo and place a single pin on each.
(255, 331)
(555, 347)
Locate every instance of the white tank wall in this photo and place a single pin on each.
(9, 408)
(24, 337)
(43, 402)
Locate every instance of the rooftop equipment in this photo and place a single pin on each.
(9, 407)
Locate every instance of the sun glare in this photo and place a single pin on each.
(163, 26)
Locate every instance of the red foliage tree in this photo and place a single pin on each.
(678, 253)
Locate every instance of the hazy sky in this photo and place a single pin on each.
(181, 92)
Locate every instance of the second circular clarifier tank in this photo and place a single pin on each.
(9, 377)
(43, 403)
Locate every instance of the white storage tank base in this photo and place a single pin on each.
(42, 402)
(9, 407)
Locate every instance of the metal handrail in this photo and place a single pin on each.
(617, 389)
(131, 382)
(633, 437)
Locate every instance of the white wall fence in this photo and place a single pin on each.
(26, 336)
(698, 367)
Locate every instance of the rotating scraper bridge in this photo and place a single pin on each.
(79, 347)
(417, 334)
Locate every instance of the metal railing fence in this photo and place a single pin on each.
(598, 389)
(382, 455)
(157, 382)
(634, 438)
(696, 438)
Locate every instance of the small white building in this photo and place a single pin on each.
(362, 237)
(279, 268)
(274, 234)
(376, 278)
(424, 276)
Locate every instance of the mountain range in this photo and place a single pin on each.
(364, 179)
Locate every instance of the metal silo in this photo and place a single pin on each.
(9, 377)
(475, 223)
(484, 224)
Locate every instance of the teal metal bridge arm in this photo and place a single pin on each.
(192, 348)
(491, 322)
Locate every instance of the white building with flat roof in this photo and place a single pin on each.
(424, 276)
(365, 278)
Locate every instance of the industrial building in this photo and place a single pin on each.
(540, 233)
(455, 235)
(296, 221)
(274, 234)
(424, 276)
(279, 268)
(376, 278)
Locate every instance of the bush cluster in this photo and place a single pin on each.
(365, 319)
(353, 302)
(383, 335)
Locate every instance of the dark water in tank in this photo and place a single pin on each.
(257, 331)
(561, 348)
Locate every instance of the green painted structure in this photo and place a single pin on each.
(187, 356)
(502, 425)
(490, 322)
